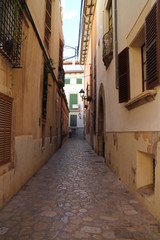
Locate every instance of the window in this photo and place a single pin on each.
(48, 22)
(79, 80)
(5, 128)
(73, 120)
(73, 102)
(11, 30)
(67, 81)
(45, 90)
(123, 70)
(144, 80)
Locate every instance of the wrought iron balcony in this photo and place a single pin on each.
(61, 77)
(108, 48)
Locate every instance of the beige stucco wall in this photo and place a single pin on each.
(26, 88)
(130, 155)
(132, 138)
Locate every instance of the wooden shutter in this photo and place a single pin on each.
(48, 22)
(60, 54)
(123, 71)
(151, 48)
(5, 128)
(73, 120)
(45, 92)
(73, 100)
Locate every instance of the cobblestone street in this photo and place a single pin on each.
(75, 196)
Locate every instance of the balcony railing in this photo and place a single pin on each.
(108, 48)
(61, 77)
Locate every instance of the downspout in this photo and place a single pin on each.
(116, 43)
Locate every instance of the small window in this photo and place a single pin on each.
(73, 120)
(67, 81)
(79, 80)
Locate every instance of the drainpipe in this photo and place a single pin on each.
(116, 43)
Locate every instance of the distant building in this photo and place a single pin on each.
(74, 82)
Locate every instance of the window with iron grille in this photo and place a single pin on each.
(48, 22)
(73, 120)
(5, 128)
(11, 30)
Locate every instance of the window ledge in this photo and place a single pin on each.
(141, 99)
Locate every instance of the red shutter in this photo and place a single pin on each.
(5, 128)
(123, 70)
(151, 48)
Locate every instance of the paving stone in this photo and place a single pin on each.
(75, 196)
(89, 229)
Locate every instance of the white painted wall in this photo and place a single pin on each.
(74, 88)
(118, 118)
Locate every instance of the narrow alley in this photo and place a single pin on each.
(75, 196)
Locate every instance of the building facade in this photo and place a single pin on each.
(74, 82)
(120, 41)
(32, 100)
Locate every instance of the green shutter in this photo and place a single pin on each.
(67, 81)
(73, 120)
(73, 100)
(79, 80)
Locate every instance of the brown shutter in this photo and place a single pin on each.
(60, 53)
(158, 47)
(123, 70)
(48, 22)
(5, 128)
(151, 48)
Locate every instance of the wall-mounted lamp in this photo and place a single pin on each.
(82, 92)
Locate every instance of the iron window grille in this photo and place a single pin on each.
(11, 30)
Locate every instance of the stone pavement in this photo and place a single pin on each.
(75, 196)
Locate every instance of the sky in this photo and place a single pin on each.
(71, 16)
